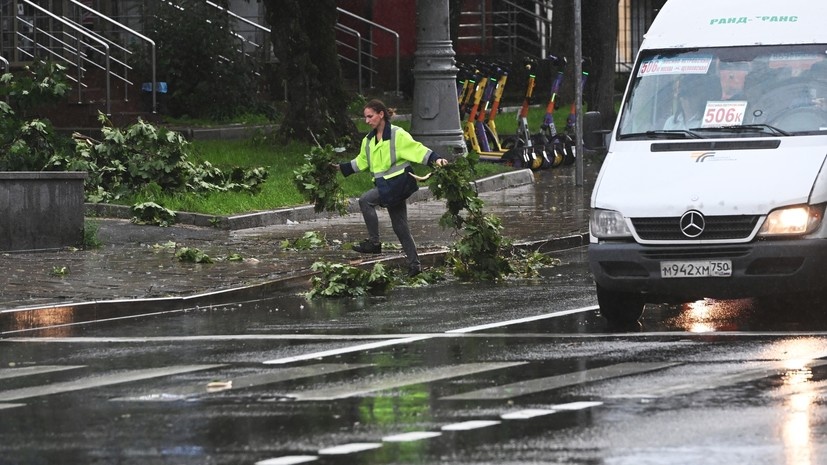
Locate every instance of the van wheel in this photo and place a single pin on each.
(620, 308)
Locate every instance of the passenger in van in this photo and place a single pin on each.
(694, 91)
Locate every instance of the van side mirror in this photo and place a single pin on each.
(594, 136)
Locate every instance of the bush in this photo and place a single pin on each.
(27, 143)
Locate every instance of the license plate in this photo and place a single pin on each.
(696, 269)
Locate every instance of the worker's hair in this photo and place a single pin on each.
(378, 106)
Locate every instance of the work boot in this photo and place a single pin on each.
(414, 271)
(368, 246)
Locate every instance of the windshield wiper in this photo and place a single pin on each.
(764, 128)
(667, 133)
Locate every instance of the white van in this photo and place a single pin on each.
(715, 183)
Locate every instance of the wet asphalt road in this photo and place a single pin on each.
(521, 372)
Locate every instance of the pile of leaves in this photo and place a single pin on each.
(310, 240)
(340, 280)
(318, 183)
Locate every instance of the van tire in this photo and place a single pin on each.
(620, 308)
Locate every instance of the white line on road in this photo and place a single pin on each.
(346, 350)
(411, 436)
(370, 385)
(469, 425)
(534, 386)
(408, 340)
(351, 448)
(99, 381)
(517, 321)
(5, 406)
(6, 373)
(289, 460)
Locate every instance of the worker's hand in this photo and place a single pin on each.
(441, 162)
(336, 166)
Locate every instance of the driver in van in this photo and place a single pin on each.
(694, 91)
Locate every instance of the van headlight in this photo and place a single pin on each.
(608, 224)
(790, 221)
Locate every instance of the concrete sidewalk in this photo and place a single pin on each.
(543, 209)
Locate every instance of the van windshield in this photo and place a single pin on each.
(727, 92)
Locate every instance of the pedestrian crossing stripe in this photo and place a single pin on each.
(397, 381)
(766, 370)
(533, 386)
(7, 373)
(99, 381)
(411, 436)
(289, 460)
(241, 382)
(8, 406)
(469, 425)
(528, 414)
(351, 448)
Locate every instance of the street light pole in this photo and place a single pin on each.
(578, 93)
(435, 117)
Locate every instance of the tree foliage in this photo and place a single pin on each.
(142, 157)
(599, 26)
(198, 56)
(318, 182)
(27, 142)
(304, 45)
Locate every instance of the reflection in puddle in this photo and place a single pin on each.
(709, 315)
(796, 434)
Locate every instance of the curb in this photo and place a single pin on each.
(22, 320)
(301, 213)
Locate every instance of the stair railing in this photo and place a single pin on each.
(5, 64)
(126, 66)
(82, 32)
(383, 29)
(358, 49)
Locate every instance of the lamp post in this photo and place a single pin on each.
(435, 117)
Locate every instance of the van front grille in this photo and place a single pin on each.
(716, 228)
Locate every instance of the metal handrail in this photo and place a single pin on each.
(5, 64)
(136, 34)
(382, 28)
(77, 28)
(358, 36)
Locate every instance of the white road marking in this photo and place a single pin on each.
(712, 382)
(6, 406)
(346, 350)
(577, 405)
(289, 460)
(351, 448)
(396, 381)
(469, 425)
(99, 381)
(533, 386)
(526, 414)
(412, 436)
(241, 382)
(528, 319)
(539, 412)
(6, 373)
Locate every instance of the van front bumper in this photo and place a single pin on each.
(758, 269)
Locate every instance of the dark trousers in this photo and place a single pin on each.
(399, 220)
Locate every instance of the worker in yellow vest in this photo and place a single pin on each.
(387, 152)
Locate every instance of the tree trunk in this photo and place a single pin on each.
(304, 45)
(600, 24)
